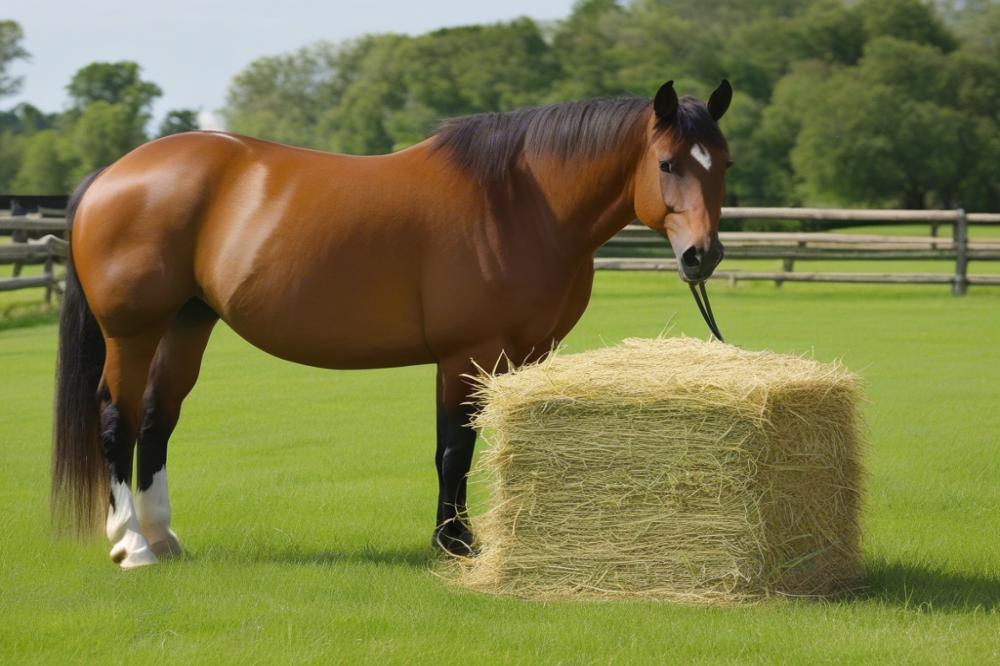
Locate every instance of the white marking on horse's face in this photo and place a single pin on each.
(701, 155)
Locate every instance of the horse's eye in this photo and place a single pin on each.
(666, 166)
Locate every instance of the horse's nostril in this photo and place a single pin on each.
(690, 257)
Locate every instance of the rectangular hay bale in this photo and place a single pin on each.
(670, 468)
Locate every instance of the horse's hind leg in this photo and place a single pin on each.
(172, 376)
(126, 368)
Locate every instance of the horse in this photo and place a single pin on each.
(475, 244)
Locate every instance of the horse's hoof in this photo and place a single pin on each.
(169, 546)
(455, 542)
(132, 552)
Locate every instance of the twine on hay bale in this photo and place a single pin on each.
(670, 468)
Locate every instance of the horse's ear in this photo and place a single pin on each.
(720, 99)
(665, 104)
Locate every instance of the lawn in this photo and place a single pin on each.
(306, 498)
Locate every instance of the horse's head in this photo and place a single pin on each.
(680, 183)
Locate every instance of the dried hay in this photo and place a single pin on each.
(670, 468)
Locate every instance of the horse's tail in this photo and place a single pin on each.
(79, 473)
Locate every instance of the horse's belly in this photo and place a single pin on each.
(336, 314)
(335, 337)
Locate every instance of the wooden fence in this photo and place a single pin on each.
(791, 247)
(39, 238)
(36, 238)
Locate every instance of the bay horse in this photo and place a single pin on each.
(476, 243)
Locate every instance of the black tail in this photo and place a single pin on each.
(79, 472)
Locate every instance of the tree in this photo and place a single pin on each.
(470, 69)
(286, 97)
(100, 135)
(762, 142)
(112, 105)
(585, 45)
(657, 41)
(43, 169)
(887, 134)
(909, 20)
(114, 83)
(177, 121)
(978, 27)
(11, 156)
(10, 52)
(27, 119)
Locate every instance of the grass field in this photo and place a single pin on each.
(306, 501)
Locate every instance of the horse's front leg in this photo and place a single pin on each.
(455, 444)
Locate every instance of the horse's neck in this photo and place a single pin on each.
(591, 198)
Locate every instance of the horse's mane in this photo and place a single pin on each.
(488, 144)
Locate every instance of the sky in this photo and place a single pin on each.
(192, 48)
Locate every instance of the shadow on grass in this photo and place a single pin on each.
(418, 558)
(415, 557)
(929, 588)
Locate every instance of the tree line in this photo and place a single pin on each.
(870, 102)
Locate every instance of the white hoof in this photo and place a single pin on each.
(168, 546)
(132, 552)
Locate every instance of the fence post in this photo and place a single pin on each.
(961, 236)
(788, 264)
(17, 236)
(49, 273)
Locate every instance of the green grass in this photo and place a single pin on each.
(306, 501)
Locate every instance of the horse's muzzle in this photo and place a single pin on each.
(696, 264)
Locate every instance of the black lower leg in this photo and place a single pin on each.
(157, 426)
(455, 444)
(118, 446)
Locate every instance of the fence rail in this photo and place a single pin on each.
(39, 238)
(36, 238)
(792, 247)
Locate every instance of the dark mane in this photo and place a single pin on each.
(695, 124)
(488, 144)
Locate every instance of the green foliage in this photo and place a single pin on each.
(46, 153)
(978, 27)
(101, 134)
(585, 45)
(11, 154)
(27, 119)
(284, 98)
(114, 83)
(896, 131)
(43, 167)
(11, 51)
(910, 20)
(177, 121)
(478, 68)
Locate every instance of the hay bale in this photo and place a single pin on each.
(670, 468)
